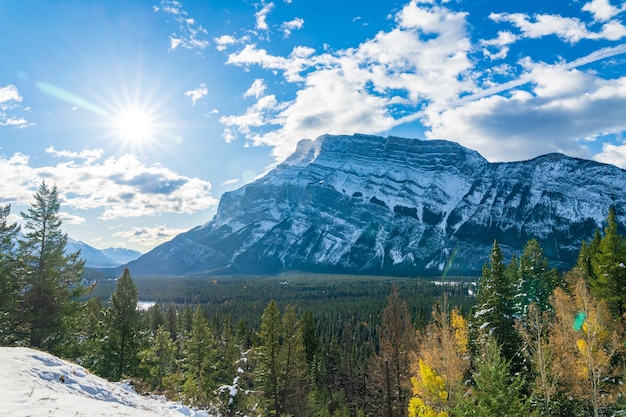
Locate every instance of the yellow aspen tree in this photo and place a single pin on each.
(441, 363)
(429, 393)
(585, 340)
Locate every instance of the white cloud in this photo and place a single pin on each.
(256, 90)
(224, 42)
(9, 105)
(569, 29)
(354, 89)
(552, 117)
(261, 16)
(69, 218)
(149, 236)
(9, 93)
(116, 187)
(288, 27)
(427, 68)
(601, 10)
(191, 35)
(197, 94)
(613, 154)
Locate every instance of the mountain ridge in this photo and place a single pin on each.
(101, 258)
(373, 205)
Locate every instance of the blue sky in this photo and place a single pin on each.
(144, 113)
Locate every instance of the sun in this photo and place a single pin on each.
(134, 126)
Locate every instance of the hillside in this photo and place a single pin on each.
(395, 206)
(34, 383)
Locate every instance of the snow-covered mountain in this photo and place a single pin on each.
(394, 206)
(101, 258)
(34, 383)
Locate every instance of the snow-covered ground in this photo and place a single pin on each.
(34, 383)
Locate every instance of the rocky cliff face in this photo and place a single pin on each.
(372, 205)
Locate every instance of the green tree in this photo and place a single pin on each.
(293, 363)
(268, 356)
(493, 312)
(11, 283)
(534, 280)
(52, 277)
(609, 268)
(122, 328)
(310, 339)
(495, 391)
(200, 352)
(158, 362)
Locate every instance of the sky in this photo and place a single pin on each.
(143, 113)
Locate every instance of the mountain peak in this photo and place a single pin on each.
(395, 206)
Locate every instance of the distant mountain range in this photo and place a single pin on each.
(394, 206)
(101, 258)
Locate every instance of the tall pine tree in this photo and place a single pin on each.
(11, 284)
(493, 313)
(534, 280)
(52, 277)
(122, 328)
(609, 268)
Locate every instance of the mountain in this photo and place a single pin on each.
(394, 206)
(105, 258)
(34, 383)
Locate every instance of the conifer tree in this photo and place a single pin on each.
(496, 391)
(158, 361)
(493, 313)
(11, 283)
(268, 355)
(534, 280)
(122, 328)
(200, 352)
(310, 339)
(52, 277)
(293, 363)
(609, 267)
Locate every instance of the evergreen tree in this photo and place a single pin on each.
(293, 361)
(493, 312)
(158, 362)
(122, 328)
(268, 355)
(171, 321)
(534, 280)
(200, 352)
(52, 276)
(495, 391)
(310, 339)
(609, 268)
(11, 283)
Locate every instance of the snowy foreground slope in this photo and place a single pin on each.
(34, 383)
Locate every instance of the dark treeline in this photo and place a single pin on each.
(534, 341)
(331, 298)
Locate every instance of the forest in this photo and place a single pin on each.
(522, 340)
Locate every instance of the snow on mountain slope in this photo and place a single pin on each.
(34, 383)
(365, 204)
